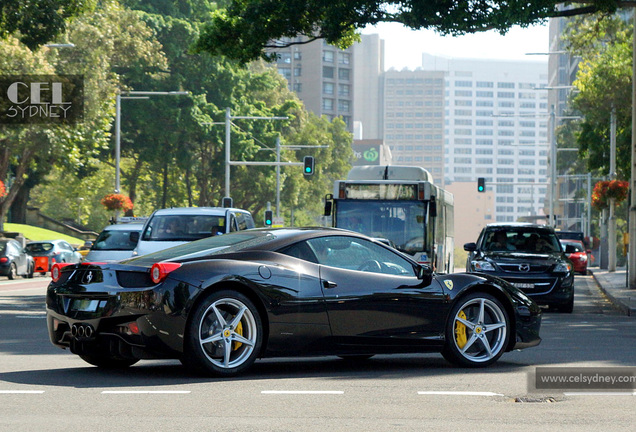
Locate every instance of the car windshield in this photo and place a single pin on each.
(39, 247)
(521, 240)
(183, 227)
(114, 240)
(401, 222)
(210, 246)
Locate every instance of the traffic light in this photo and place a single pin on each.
(308, 168)
(269, 218)
(481, 184)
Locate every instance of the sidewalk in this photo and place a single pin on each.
(614, 285)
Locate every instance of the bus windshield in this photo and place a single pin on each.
(402, 222)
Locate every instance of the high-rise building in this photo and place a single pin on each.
(414, 119)
(322, 77)
(496, 127)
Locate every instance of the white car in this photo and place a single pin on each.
(115, 243)
(174, 226)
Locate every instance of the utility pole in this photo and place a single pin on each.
(611, 223)
(228, 126)
(632, 205)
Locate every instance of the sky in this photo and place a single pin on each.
(404, 47)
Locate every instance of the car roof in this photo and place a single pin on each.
(504, 225)
(215, 211)
(124, 227)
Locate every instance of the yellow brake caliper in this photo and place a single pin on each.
(460, 331)
(239, 331)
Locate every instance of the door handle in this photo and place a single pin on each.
(329, 284)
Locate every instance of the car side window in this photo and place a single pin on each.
(353, 253)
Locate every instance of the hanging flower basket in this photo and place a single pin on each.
(117, 202)
(604, 190)
(3, 190)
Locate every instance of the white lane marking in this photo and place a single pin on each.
(31, 316)
(21, 391)
(287, 392)
(458, 393)
(146, 392)
(599, 393)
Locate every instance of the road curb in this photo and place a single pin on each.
(616, 302)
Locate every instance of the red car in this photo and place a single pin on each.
(580, 257)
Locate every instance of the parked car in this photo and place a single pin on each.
(14, 260)
(528, 256)
(115, 242)
(174, 226)
(46, 253)
(85, 248)
(578, 255)
(220, 303)
(571, 235)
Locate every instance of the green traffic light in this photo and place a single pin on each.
(307, 169)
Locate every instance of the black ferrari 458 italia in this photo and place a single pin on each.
(220, 303)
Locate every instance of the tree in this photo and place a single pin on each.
(35, 23)
(603, 82)
(247, 28)
(113, 36)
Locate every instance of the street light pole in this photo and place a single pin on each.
(553, 169)
(228, 124)
(118, 99)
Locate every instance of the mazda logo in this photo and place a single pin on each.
(524, 267)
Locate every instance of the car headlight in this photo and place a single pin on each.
(482, 266)
(563, 268)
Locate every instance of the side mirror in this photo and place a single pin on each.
(425, 273)
(134, 237)
(470, 247)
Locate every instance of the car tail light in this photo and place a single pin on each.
(4, 260)
(160, 270)
(56, 271)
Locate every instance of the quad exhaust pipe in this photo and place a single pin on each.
(81, 330)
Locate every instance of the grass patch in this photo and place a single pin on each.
(39, 234)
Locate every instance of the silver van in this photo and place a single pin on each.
(174, 226)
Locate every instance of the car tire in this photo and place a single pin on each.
(108, 362)
(477, 331)
(13, 272)
(567, 307)
(224, 335)
(29, 272)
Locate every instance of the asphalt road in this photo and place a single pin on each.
(45, 388)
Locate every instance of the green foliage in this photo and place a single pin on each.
(603, 82)
(35, 23)
(247, 28)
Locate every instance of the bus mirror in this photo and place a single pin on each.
(425, 273)
(328, 208)
(432, 209)
(328, 205)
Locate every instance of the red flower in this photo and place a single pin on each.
(117, 202)
(604, 190)
(3, 190)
